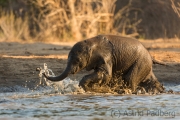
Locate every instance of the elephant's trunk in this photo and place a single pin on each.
(63, 75)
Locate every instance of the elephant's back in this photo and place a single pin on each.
(128, 50)
(126, 45)
(120, 41)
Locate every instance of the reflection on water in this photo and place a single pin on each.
(65, 100)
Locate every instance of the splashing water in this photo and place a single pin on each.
(45, 103)
(63, 87)
(68, 86)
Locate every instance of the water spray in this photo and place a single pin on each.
(65, 86)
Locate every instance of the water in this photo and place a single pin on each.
(45, 105)
(65, 100)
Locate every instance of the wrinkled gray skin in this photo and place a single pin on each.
(107, 55)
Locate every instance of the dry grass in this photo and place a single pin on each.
(73, 20)
(176, 7)
(66, 20)
(12, 28)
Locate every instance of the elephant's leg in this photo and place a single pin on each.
(96, 77)
(135, 75)
(154, 84)
(130, 77)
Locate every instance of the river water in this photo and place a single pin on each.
(65, 100)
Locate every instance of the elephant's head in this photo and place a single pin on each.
(78, 59)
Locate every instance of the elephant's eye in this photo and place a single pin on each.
(77, 60)
(79, 51)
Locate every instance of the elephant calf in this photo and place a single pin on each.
(108, 55)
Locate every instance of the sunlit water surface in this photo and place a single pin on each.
(65, 100)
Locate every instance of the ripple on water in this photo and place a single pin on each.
(61, 100)
(44, 104)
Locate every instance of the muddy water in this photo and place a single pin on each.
(65, 100)
(45, 103)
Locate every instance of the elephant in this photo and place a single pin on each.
(109, 55)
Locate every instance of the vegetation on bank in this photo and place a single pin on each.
(69, 20)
